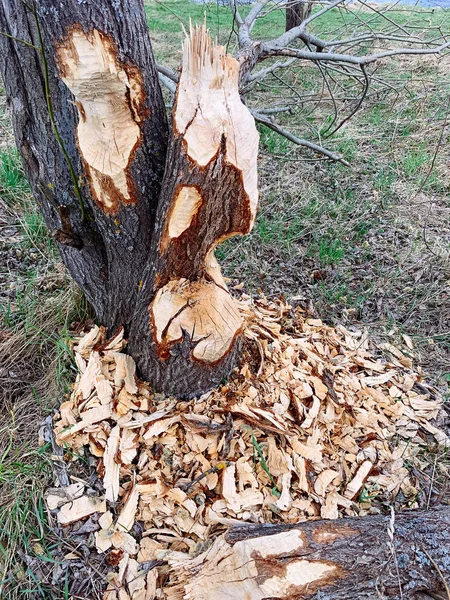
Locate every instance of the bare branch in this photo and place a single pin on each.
(358, 106)
(236, 13)
(276, 109)
(254, 12)
(264, 72)
(268, 50)
(299, 141)
(167, 72)
(168, 83)
(289, 36)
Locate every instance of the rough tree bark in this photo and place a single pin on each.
(296, 13)
(369, 558)
(109, 113)
(137, 234)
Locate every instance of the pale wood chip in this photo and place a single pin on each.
(112, 468)
(125, 372)
(80, 508)
(125, 521)
(56, 497)
(358, 480)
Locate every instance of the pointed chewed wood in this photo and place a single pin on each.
(210, 194)
(210, 115)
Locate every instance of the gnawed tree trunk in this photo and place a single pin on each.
(109, 113)
(136, 224)
(209, 194)
(296, 13)
(368, 558)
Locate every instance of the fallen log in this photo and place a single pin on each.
(374, 557)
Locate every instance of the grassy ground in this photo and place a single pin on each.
(37, 304)
(367, 245)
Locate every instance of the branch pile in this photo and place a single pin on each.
(310, 425)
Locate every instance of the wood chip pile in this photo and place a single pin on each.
(311, 425)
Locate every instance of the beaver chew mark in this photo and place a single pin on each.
(201, 309)
(186, 205)
(209, 111)
(109, 97)
(261, 568)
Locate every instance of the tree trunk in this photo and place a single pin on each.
(296, 13)
(109, 113)
(368, 558)
(136, 212)
(209, 194)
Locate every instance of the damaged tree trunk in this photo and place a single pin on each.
(136, 224)
(94, 86)
(296, 13)
(366, 559)
(190, 335)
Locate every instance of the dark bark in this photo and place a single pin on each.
(98, 146)
(296, 13)
(105, 253)
(356, 553)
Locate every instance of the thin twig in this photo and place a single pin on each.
(299, 141)
(436, 566)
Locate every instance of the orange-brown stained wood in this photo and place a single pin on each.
(204, 310)
(328, 533)
(109, 97)
(214, 196)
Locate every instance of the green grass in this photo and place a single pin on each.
(12, 179)
(34, 351)
(413, 160)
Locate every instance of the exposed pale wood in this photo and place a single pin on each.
(201, 309)
(332, 560)
(109, 98)
(210, 112)
(112, 467)
(79, 508)
(185, 207)
(297, 436)
(128, 513)
(358, 480)
(56, 497)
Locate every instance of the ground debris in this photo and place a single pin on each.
(310, 425)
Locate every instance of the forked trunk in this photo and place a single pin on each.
(90, 124)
